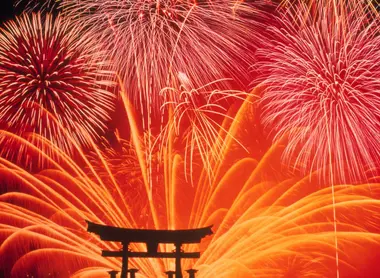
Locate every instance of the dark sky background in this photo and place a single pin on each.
(6, 10)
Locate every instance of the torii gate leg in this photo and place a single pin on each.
(133, 272)
(170, 273)
(113, 273)
(124, 262)
(191, 272)
(178, 269)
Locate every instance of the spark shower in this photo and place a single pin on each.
(259, 117)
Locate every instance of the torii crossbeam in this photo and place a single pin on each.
(151, 238)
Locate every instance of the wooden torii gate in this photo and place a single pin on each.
(151, 238)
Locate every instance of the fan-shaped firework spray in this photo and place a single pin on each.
(50, 82)
(267, 221)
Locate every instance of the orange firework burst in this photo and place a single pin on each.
(50, 82)
(266, 223)
(322, 72)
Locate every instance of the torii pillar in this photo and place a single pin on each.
(133, 271)
(124, 260)
(178, 269)
(191, 272)
(170, 273)
(113, 273)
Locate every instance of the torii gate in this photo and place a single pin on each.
(151, 238)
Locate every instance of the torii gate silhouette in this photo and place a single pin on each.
(151, 238)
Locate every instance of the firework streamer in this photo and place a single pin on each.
(194, 119)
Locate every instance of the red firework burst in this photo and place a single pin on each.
(50, 82)
(323, 75)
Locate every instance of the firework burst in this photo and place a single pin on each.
(322, 72)
(51, 84)
(151, 42)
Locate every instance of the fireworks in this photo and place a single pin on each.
(151, 42)
(121, 166)
(189, 151)
(264, 225)
(322, 72)
(51, 84)
(194, 118)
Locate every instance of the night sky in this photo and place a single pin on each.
(6, 10)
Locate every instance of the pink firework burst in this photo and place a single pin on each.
(151, 42)
(322, 72)
(50, 82)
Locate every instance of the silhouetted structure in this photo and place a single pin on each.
(151, 238)
(113, 273)
(133, 272)
(170, 273)
(191, 272)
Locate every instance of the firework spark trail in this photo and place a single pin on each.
(196, 110)
(264, 225)
(50, 73)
